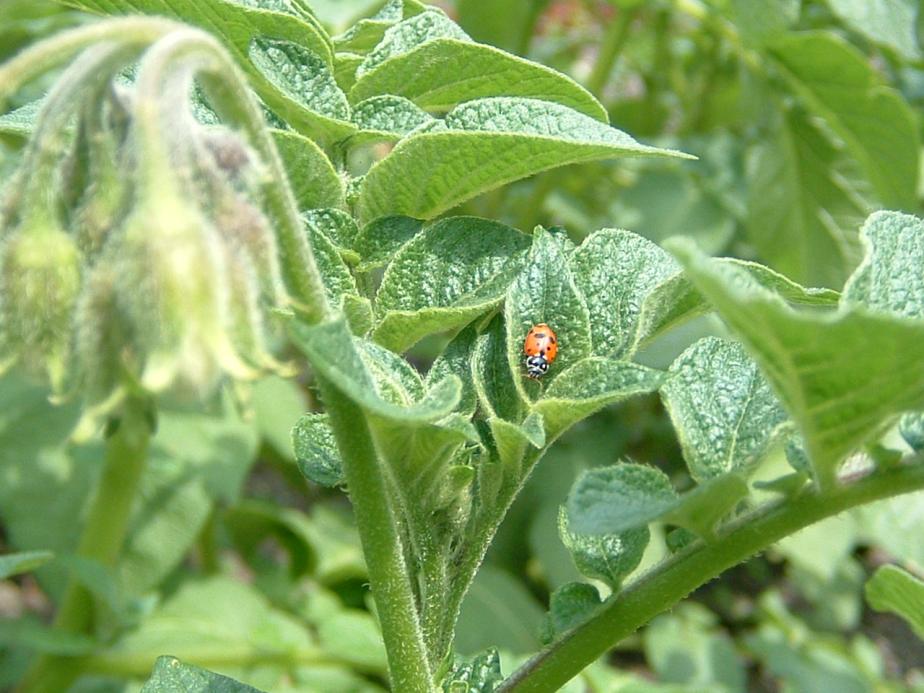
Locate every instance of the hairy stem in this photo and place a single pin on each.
(381, 542)
(700, 562)
(102, 538)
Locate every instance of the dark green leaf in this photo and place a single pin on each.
(387, 118)
(610, 556)
(480, 674)
(170, 675)
(723, 410)
(456, 359)
(493, 379)
(510, 138)
(379, 241)
(338, 280)
(569, 605)
(446, 276)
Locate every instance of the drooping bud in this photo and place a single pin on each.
(40, 274)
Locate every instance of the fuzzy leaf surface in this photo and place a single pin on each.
(312, 176)
(810, 359)
(170, 675)
(456, 359)
(722, 408)
(607, 557)
(442, 73)
(379, 241)
(450, 273)
(489, 142)
(387, 118)
(316, 450)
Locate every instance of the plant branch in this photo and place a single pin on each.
(101, 540)
(679, 575)
(381, 542)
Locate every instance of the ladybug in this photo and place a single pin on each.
(541, 348)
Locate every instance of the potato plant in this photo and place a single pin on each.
(208, 193)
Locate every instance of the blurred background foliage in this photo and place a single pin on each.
(805, 115)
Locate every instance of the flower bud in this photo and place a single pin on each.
(40, 271)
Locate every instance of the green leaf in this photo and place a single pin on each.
(544, 292)
(569, 606)
(277, 404)
(445, 277)
(888, 23)
(802, 211)
(509, 138)
(811, 360)
(492, 376)
(444, 72)
(512, 440)
(368, 32)
(333, 352)
(387, 118)
(612, 500)
(456, 359)
(316, 450)
(311, 174)
(31, 635)
(893, 589)
(22, 562)
(480, 674)
(760, 21)
(874, 121)
(725, 414)
(408, 34)
(379, 240)
(354, 637)
(237, 26)
(307, 80)
(170, 675)
(21, 121)
(609, 557)
(890, 278)
(616, 270)
(588, 386)
(338, 226)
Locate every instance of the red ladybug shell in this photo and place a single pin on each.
(541, 341)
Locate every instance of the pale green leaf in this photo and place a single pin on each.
(446, 276)
(332, 351)
(700, 509)
(811, 359)
(588, 386)
(338, 280)
(722, 408)
(312, 176)
(29, 634)
(316, 450)
(612, 500)
(408, 34)
(802, 213)
(512, 440)
(170, 675)
(22, 562)
(886, 22)
(494, 381)
(307, 80)
(456, 359)
(476, 675)
(490, 142)
(837, 82)
(387, 118)
(396, 380)
(609, 556)
(616, 271)
(760, 21)
(354, 637)
(893, 589)
(544, 292)
(277, 403)
(379, 240)
(442, 73)
(368, 32)
(338, 226)
(890, 278)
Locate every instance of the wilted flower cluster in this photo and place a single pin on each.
(135, 258)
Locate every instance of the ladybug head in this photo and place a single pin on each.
(536, 366)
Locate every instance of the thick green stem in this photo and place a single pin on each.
(101, 540)
(381, 542)
(679, 575)
(614, 39)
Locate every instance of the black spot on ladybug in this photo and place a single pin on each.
(552, 339)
